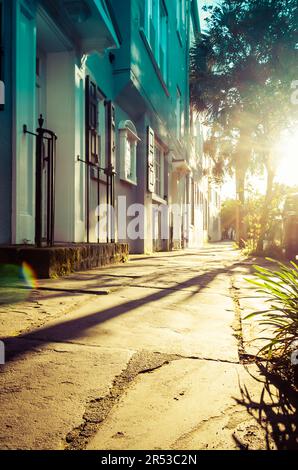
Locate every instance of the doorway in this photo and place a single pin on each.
(55, 82)
(41, 111)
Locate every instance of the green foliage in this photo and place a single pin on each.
(248, 50)
(249, 246)
(241, 71)
(228, 214)
(273, 231)
(252, 215)
(281, 289)
(252, 218)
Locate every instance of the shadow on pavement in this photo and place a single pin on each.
(73, 328)
(275, 411)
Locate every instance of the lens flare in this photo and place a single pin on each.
(29, 276)
(16, 283)
(287, 150)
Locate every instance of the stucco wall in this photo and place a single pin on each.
(5, 130)
(127, 76)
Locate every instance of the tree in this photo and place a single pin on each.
(253, 215)
(227, 215)
(241, 74)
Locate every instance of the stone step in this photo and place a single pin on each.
(60, 260)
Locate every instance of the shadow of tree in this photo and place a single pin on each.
(275, 411)
(74, 328)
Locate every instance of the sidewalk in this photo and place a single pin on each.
(141, 355)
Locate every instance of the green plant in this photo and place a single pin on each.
(249, 247)
(241, 70)
(281, 289)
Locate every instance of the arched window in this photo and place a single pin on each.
(128, 151)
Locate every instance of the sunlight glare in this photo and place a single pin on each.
(287, 149)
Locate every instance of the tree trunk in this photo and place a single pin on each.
(266, 208)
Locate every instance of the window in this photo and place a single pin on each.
(156, 31)
(151, 24)
(130, 160)
(178, 114)
(157, 164)
(180, 16)
(159, 171)
(111, 134)
(128, 151)
(163, 43)
(95, 139)
(92, 124)
(150, 160)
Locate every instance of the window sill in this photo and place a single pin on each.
(159, 199)
(153, 60)
(129, 181)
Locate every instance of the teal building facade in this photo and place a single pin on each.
(97, 112)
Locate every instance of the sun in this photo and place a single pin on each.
(287, 154)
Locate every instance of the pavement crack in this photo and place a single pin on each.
(202, 358)
(244, 358)
(237, 325)
(99, 408)
(223, 361)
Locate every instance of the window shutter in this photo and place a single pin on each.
(150, 159)
(92, 137)
(111, 125)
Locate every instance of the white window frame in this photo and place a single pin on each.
(151, 22)
(128, 151)
(163, 40)
(156, 22)
(159, 151)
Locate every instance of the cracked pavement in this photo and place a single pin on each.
(150, 354)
